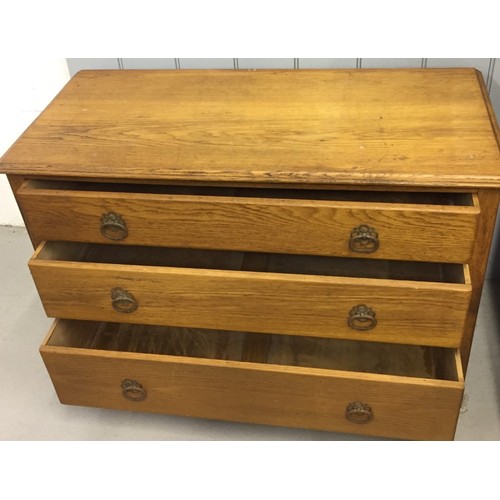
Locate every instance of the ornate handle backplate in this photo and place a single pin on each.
(123, 301)
(362, 318)
(358, 413)
(364, 239)
(133, 391)
(113, 227)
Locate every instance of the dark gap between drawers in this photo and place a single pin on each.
(419, 198)
(332, 354)
(253, 262)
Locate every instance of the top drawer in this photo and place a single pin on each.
(433, 227)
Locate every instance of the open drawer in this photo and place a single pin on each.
(380, 225)
(407, 392)
(384, 301)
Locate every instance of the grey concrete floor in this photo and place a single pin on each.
(30, 410)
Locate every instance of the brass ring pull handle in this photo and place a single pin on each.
(113, 227)
(133, 391)
(364, 239)
(362, 318)
(358, 413)
(123, 301)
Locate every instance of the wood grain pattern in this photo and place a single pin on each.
(332, 354)
(404, 407)
(378, 132)
(369, 127)
(300, 304)
(489, 200)
(308, 226)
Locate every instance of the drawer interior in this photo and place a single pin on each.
(419, 198)
(369, 357)
(253, 261)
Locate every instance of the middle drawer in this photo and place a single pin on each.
(373, 300)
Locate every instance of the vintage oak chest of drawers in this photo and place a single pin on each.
(297, 248)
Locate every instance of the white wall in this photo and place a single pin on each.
(26, 87)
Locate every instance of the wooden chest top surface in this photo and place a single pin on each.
(431, 127)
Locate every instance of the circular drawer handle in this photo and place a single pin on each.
(362, 318)
(123, 301)
(133, 391)
(364, 239)
(358, 413)
(113, 226)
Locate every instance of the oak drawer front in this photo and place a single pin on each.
(337, 226)
(271, 391)
(385, 310)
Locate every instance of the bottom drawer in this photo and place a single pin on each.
(390, 390)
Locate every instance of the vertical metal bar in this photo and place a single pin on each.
(491, 72)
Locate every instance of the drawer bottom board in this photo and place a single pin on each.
(412, 392)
